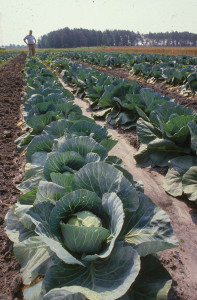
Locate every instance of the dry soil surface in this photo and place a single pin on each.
(11, 169)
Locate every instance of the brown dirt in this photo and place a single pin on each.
(192, 51)
(11, 166)
(166, 90)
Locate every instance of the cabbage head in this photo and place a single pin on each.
(98, 241)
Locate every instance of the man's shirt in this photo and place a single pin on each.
(30, 39)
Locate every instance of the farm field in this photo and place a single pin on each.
(64, 149)
(129, 49)
(172, 71)
(167, 90)
(154, 50)
(172, 91)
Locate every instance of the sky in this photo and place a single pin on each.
(43, 16)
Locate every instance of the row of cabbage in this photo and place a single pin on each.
(115, 59)
(6, 56)
(166, 130)
(82, 223)
(174, 70)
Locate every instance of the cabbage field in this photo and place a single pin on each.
(6, 56)
(175, 70)
(166, 130)
(83, 226)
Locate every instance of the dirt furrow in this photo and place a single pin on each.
(11, 169)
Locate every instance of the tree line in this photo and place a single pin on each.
(79, 37)
(13, 46)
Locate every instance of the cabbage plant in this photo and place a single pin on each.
(182, 177)
(98, 241)
(169, 132)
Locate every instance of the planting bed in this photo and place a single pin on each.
(11, 166)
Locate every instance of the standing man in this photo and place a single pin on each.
(31, 42)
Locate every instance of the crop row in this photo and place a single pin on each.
(5, 56)
(115, 59)
(174, 70)
(167, 131)
(82, 224)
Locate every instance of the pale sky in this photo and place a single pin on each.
(43, 16)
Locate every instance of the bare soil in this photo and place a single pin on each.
(192, 51)
(11, 169)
